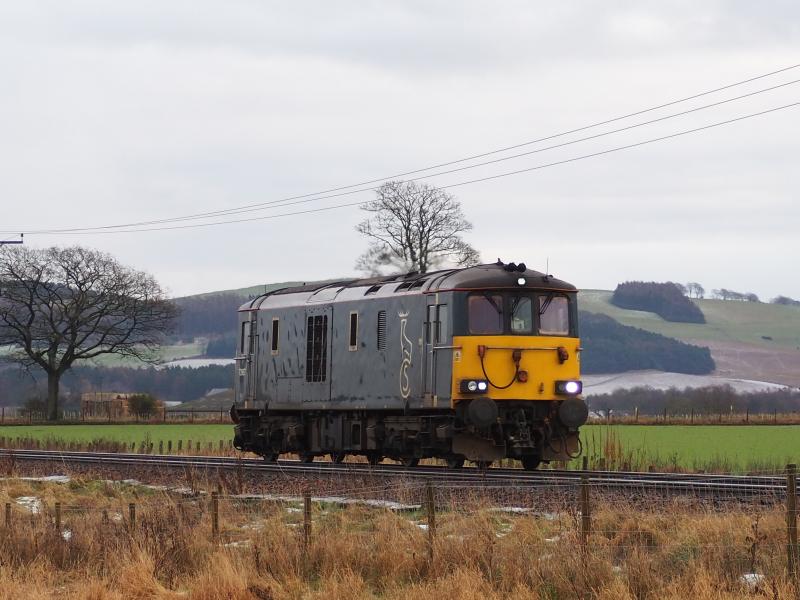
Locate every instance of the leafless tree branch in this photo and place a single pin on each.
(414, 227)
(61, 305)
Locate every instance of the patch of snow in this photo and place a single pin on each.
(292, 509)
(547, 516)
(552, 540)
(423, 526)
(752, 580)
(238, 544)
(196, 363)
(341, 500)
(660, 380)
(48, 478)
(66, 534)
(512, 509)
(30, 503)
(184, 491)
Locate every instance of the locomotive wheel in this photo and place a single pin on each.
(337, 457)
(483, 464)
(374, 459)
(409, 461)
(530, 462)
(455, 462)
(271, 456)
(306, 457)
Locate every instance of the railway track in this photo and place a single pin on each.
(732, 486)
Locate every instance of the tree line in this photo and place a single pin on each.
(179, 384)
(712, 400)
(610, 347)
(665, 299)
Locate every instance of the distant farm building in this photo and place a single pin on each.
(108, 405)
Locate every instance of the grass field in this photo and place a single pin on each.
(120, 433)
(726, 321)
(693, 447)
(708, 447)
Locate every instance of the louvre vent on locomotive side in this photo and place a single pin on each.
(480, 363)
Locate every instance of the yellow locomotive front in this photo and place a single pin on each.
(516, 365)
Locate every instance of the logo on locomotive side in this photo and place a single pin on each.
(407, 348)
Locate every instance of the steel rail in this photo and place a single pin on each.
(696, 483)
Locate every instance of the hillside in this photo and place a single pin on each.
(254, 290)
(749, 340)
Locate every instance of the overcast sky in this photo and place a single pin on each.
(117, 112)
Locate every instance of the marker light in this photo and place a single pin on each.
(569, 388)
(473, 386)
(521, 281)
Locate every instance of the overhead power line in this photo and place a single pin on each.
(452, 185)
(321, 195)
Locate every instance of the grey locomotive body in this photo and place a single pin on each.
(372, 367)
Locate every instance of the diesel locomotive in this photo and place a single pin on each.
(478, 364)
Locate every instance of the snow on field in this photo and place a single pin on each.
(196, 363)
(604, 384)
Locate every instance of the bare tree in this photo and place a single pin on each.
(695, 289)
(62, 305)
(414, 227)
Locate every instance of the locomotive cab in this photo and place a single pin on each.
(516, 378)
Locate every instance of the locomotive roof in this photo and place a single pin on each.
(488, 276)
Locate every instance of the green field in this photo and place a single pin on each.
(717, 447)
(120, 433)
(726, 321)
(707, 447)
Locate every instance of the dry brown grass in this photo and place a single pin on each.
(366, 553)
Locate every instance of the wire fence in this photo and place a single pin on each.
(426, 525)
(24, 416)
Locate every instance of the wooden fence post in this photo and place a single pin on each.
(586, 517)
(792, 550)
(430, 509)
(215, 514)
(58, 516)
(306, 520)
(132, 516)
(636, 414)
(161, 446)
(8, 515)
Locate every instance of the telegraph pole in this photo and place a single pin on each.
(19, 241)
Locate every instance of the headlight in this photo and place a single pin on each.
(474, 386)
(569, 388)
(521, 281)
